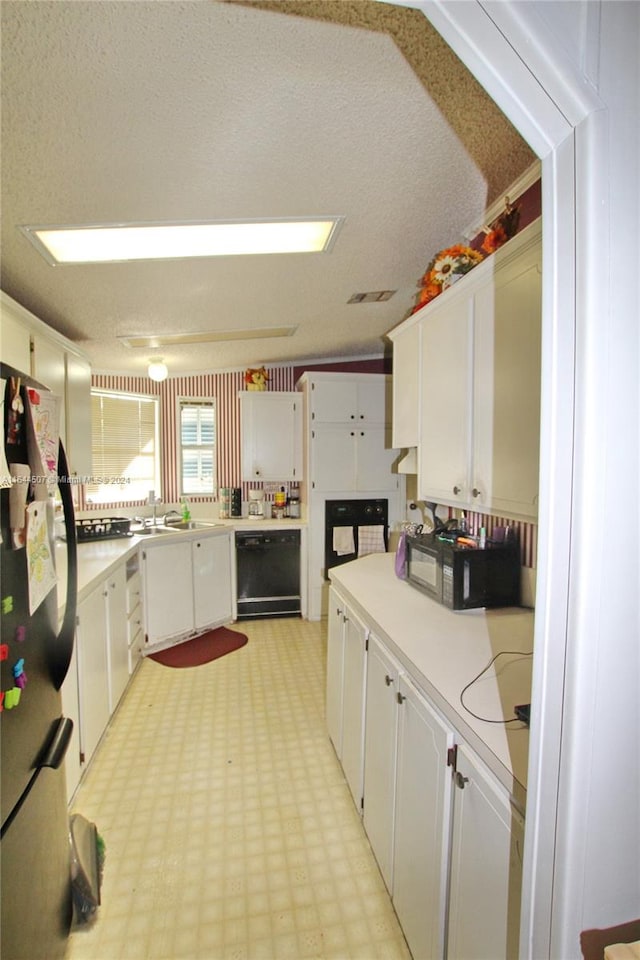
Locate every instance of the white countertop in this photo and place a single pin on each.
(444, 650)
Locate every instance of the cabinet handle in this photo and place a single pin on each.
(345, 618)
(362, 433)
(362, 416)
(388, 680)
(352, 434)
(460, 780)
(353, 416)
(456, 490)
(400, 697)
(475, 492)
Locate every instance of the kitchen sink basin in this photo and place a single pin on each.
(190, 525)
(147, 531)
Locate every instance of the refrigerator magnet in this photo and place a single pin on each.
(12, 698)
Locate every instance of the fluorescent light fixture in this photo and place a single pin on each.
(212, 336)
(157, 369)
(115, 243)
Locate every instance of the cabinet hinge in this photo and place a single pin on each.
(366, 644)
(452, 756)
(362, 804)
(82, 756)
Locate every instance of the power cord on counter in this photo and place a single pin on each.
(516, 653)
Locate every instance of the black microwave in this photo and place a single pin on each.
(462, 578)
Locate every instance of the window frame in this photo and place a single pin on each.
(182, 402)
(156, 484)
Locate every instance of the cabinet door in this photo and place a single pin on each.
(380, 755)
(15, 342)
(333, 457)
(422, 824)
(507, 317)
(118, 640)
(48, 366)
(406, 386)
(333, 401)
(445, 423)
(355, 639)
(374, 459)
(335, 669)
(373, 403)
(486, 867)
(93, 686)
(78, 412)
(168, 591)
(271, 436)
(211, 560)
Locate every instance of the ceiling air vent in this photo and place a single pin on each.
(375, 296)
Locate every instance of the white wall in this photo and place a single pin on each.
(567, 76)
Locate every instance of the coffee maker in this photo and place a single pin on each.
(256, 504)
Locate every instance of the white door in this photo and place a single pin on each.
(508, 322)
(380, 754)
(423, 812)
(374, 459)
(335, 669)
(486, 866)
(333, 457)
(93, 684)
(168, 591)
(445, 415)
(118, 646)
(355, 638)
(333, 401)
(211, 581)
(374, 404)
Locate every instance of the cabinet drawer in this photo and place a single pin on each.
(133, 593)
(134, 623)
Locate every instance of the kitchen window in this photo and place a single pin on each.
(197, 441)
(126, 447)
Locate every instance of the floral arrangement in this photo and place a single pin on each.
(503, 227)
(256, 378)
(445, 268)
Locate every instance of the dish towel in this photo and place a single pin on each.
(343, 542)
(371, 540)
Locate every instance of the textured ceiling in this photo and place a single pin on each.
(136, 111)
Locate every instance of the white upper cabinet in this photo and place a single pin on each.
(15, 343)
(271, 424)
(480, 369)
(31, 346)
(78, 415)
(340, 398)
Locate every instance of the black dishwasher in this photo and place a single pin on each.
(268, 573)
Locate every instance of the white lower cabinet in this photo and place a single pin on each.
(441, 826)
(486, 866)
(422, 822)
(211, 563)
(93, 682)
(186, 587)
(346, 658)
(380, 754)
(118, 641)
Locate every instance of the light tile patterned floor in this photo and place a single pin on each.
(229, 829)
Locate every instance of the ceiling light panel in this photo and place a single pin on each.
(213, 336)
(116, 243)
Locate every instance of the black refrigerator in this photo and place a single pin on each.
(36, 909)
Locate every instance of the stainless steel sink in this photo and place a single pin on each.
(147, 531)
(190, 525)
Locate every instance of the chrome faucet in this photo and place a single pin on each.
(170, 513)
(153, 501)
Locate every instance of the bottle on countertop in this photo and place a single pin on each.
(186, 513)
